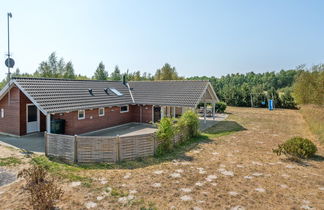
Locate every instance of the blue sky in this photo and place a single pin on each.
(210, 38)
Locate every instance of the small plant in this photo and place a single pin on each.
(220, 107)
(164, 134)
(118, 193)
(296, 147)
(43, 190)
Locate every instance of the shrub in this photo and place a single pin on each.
(220, 107)
(189, 124)
(165, 134)
(286, 100)
(296, 147)
(44, 192)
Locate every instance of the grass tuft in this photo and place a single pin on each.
(10, 161)
(62, 170)
(118, 193)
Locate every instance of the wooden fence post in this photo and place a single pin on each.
(46, 143)
(154, 143)
(118, 148)
(75, 149)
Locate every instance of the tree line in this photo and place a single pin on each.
(300, 85)
(255, 89)
(55, 67)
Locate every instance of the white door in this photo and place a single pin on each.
(32, 118)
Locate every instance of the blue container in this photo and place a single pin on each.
(270, 105)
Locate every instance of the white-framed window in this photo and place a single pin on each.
(123, 109)
(101, 112)
(114, 90)
(81, 114)
(2, 113)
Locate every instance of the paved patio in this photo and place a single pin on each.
(124, 130)
(210, 122)
(33, 142)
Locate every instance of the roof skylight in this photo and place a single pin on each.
(114, 90)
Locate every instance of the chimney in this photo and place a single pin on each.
(124, 79)
(90, 91)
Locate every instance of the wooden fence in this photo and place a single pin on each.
(89, 149)
(60, 146)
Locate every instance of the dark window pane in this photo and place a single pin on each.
(32, 113)
(124, 108)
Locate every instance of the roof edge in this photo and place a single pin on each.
(184, 80)
(63, 79)
(29, 97)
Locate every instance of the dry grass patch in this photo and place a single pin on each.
(314, 116)
(222, 169)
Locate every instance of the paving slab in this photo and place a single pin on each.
(124, 130)
(32, 142)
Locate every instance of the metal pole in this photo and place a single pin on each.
(9, 15)
(205, 111)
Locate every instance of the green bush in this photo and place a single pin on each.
(189, 124)
(220, 107)
(296, 147)
(165, 134)
(286, 100)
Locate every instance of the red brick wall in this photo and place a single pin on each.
(23, 124)
(15, 116)
(23, 112)
(10, 123)
(93, 122)
(147, 114)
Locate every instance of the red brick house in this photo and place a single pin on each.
(29, 105)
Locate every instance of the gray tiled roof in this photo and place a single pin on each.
(61, 95)
(171, 93)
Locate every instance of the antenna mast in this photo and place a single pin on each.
(9, 61)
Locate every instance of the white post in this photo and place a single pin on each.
(48, 123)
(162, 112)
(213, 110)
(205, 112)
(174, 110)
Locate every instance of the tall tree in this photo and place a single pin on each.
(116, 75)
(68, 71)
(101, 73)
(55, 68)
(167, 73)
(309, 87)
